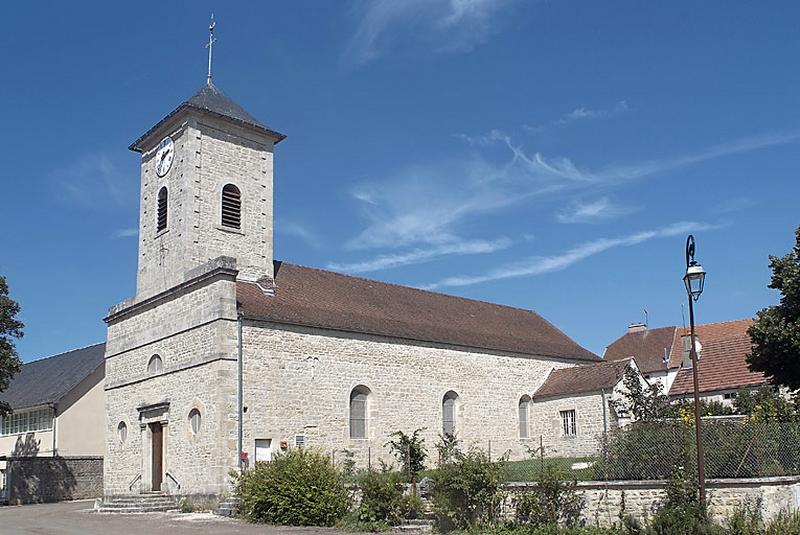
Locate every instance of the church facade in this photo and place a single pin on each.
(226, 356)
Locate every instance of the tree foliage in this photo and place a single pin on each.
(776, 331)
(10, 329)
(409, 450)
(645, 403)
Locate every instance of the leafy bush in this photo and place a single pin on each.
(745, 520)
(466, 491)
(298, 488)
(383, 499)
(682, 513)
(784, 524)
(409, 450)
(554, 501)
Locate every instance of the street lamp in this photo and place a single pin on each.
(694, 280)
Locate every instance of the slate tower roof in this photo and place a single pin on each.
(210, 99)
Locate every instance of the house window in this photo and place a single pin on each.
(524, 407)
(122, 432)
(449, 413)
(27, 421)
(231, 207)
(195, 420)
(568, 427)
(161, 213)
(155, 365)
(358, 412)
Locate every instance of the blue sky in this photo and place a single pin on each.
(550, 155)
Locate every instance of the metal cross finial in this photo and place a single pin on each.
(210, 45)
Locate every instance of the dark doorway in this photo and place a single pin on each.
(157, 432)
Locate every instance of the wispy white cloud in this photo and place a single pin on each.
(438, 25)
(601, 209)
(94, 181)
(289, 228)
(423, 207)
(547, 264)
(420, 255)
(129, 232)
(582, 114)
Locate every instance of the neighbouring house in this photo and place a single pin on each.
(652, 349)
(575, 407)
(722, 370)
(52, 444)
(225, 353)
(663, 355)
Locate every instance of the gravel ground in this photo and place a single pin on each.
(78, 518)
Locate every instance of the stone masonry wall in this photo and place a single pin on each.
(603, 499)
(51, 479)
(209, 153)
(298, 382)
(546, 421)
(193, 329)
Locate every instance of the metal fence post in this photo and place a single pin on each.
(490, 450)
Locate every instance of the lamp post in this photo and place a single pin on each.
(694, 279)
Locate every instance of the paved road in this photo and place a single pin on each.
(77, 518)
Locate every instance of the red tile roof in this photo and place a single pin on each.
(317, 298)
(647, 346)
(722, 359)
(582, 379)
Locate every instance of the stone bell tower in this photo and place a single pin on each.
(206, 192)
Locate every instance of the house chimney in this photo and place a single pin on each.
(637, 327)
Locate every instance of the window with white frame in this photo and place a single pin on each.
(358, 412)
(449, 413)
(27, 421)
(568, 427)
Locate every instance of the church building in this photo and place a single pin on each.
(226, 356)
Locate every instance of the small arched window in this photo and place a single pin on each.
(122, 432)
(449, 413)
(231, 207)
(161, 214)
(524, 408)
(155, 364)
(358, 412)
(195, 420)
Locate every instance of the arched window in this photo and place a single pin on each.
(155, 364)
(449, 413)
(524, 407)
(195, 420)
(231, 207)
(161, 215)
(122, 432)
(358, 412)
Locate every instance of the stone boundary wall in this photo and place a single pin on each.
(602, 499)
(52, 479)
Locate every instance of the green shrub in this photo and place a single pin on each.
(554, 501)
(682, 513)
(784, 524)
(298, 488)
(383, 499)
(746, 520)
(466, 489)
(409, 450)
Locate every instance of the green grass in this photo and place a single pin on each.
(531, 469)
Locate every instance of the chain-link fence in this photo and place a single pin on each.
(734, 448)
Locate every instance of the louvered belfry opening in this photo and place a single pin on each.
(231, 207)
(161, 216)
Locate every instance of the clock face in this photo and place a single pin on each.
(164, 156)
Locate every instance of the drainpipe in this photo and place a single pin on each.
(239, 393)
(53, 406)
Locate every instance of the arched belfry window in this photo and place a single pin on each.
(358, 412)
(161, 215)
(231, 207)
(524, 409)
(449, 413)
(155, 364)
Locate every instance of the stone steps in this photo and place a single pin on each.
(229, 507)
(139, 503)
(419, 525)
